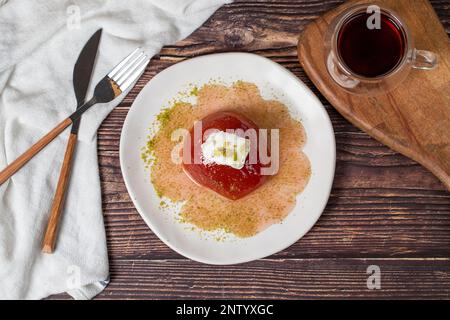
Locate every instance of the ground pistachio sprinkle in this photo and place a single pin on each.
(268, 204)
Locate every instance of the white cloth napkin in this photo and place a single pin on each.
(39, 43)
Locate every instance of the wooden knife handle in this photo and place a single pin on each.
(48, 244)
(14, 166)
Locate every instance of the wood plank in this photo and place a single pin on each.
(382, 204)
(277, 279)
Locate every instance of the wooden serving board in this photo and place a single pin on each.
(414, 118)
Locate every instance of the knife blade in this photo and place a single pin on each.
(82, 73)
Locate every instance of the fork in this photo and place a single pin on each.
(121, 77)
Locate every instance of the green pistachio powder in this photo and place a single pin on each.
(148, 152)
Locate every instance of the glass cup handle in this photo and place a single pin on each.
(424, 60)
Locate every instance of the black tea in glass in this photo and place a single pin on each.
(371, 52)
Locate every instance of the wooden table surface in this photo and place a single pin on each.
(384, 209)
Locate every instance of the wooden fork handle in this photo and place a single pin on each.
(14, 166)
(48, 244)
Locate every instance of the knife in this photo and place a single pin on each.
(81, 78)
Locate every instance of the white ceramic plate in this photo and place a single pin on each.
(274, 81)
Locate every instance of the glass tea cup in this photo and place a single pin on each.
(368, 50)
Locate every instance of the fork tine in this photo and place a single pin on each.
(128, 69)
(117, 68)
(135, 74)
